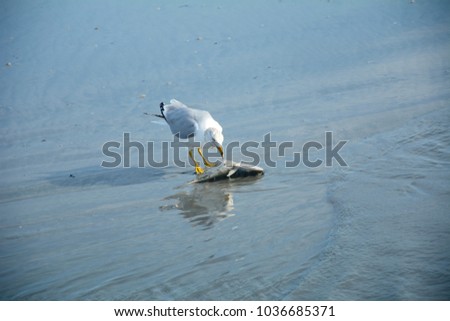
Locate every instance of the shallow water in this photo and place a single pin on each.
(81, 74)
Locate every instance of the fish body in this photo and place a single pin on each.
(229, 170)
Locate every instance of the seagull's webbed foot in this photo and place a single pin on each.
(199, 170)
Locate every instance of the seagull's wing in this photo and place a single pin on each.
(177, 103)
(181, 120)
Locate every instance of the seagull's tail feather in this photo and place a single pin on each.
(161, 107)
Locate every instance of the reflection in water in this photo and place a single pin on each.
(203, 204)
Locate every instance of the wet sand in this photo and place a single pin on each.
(75, 75)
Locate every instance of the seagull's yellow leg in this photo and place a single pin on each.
(204, 159)
(198, 169)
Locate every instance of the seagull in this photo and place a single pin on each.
(185, 122)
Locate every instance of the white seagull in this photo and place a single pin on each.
(187, 122)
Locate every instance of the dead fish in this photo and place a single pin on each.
(227, 171)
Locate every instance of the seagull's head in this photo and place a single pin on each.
(214, 135)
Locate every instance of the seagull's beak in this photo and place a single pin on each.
(220, 149)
